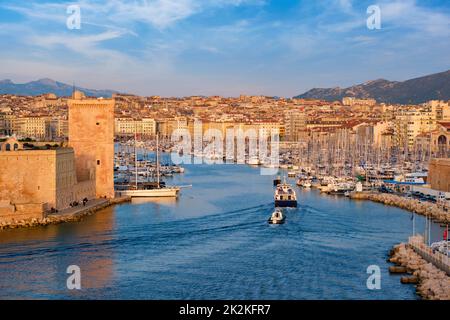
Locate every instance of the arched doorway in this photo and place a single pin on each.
(442, 147)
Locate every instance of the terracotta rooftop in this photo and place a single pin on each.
(445, 124)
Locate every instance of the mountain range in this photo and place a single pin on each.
(415, 91)
(43, 86)
(431, 87)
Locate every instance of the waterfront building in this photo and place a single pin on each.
(129, 126)
(33, 127)
(91, 135)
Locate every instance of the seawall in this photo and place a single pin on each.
(432, 283)
(423, 208)
(69, 215)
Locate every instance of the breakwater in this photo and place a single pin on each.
(422, 208)
(70, 215)
(432, 283)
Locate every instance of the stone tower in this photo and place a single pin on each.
(91, 135)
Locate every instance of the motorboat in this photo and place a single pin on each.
(277, 217)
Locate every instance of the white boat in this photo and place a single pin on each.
(285, 196)
(292, 174)
(304, 183)
(254, 161)
(151, 193)
(277, 217)
(149, 190)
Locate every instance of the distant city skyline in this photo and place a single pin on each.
(222, 47)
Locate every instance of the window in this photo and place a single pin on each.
(98, 123)
(98, 162)
(8, 147)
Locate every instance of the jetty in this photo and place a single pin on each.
(73, 214)
(429, 270)
(427, 209)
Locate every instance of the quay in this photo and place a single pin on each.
(438, 259)
(67, 215)
(427, 209)
(430, 270)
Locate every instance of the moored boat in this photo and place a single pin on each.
(292, 174)
(151, 193)
(254, 161)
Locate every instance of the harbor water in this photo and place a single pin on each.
(214, 242)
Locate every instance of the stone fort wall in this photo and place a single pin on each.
(439, 174)
(91, 134)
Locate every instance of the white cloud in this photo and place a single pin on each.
(408, 14)
(157, 13)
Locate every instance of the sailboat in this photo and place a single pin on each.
(150, 190)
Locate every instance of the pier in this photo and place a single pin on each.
(428, 269)
(438, 259)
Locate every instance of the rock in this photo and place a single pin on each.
(409, 280)
(394, 269)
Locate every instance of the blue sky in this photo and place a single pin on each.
(223, 47)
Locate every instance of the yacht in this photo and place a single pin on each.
(285, 196)
(149, 192)
(148, 189)
(277, 217)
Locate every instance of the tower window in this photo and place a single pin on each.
(98, 123)
(98, 162)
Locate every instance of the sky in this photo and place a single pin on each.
(222, 47)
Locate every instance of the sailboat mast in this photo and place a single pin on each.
(157, 160)
(135, 156)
